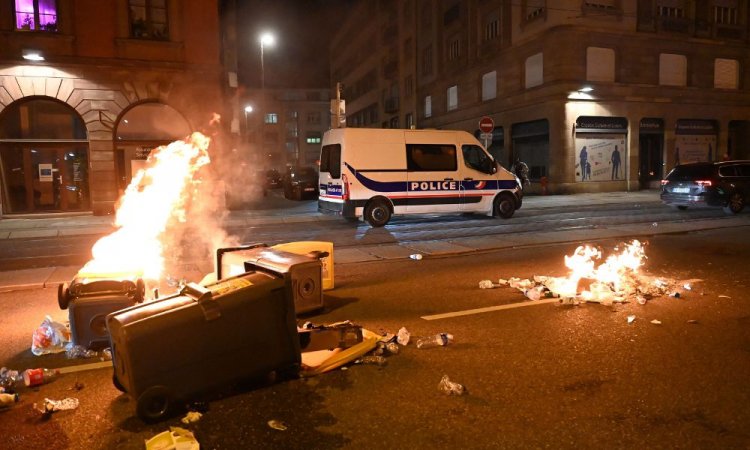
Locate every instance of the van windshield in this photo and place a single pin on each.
(330, 160)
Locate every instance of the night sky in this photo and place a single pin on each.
(302, 28)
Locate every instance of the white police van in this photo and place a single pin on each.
(375, 173)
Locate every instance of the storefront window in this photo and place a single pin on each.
(40, 15)
(43, 158)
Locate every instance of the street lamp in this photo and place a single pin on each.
(248, 110)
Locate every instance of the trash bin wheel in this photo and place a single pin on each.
(117, 383)
(154, 404)
(63, 295)
(140, 290)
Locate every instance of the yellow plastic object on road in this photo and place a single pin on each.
(337, 358)
(305, 247)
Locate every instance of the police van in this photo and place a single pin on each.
(376, 173)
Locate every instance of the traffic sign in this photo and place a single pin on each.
(486, 124)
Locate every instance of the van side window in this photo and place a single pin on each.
(728, 171)
(743, 170)
(431, 157)
(475, 158)
(330, 160)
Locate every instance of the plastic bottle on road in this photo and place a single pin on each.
(533, 294)
(439, 340)
(9, 379)
(35, 377)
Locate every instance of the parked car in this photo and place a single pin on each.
(724, 184)
(273, 178)
(300, 182)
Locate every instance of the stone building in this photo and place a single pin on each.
(87, 89)
(594, 95)
(284, 126)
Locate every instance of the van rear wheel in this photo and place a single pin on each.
(735, 205)
(504, 206)
(377, 213)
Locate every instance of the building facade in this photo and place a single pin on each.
(594, 95)
(285, 126)
(87, 90)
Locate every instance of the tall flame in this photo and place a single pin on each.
(157, 194)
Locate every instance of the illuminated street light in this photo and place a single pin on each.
(248, 110)
(265, 39)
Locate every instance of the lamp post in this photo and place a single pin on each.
(265, 39)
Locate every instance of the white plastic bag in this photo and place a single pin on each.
(50, 337)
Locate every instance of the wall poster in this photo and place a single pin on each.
(600, 157)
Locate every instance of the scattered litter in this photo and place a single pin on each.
(51, 406)
(449, 387)
(403, 336)
(502, 281)
(49, 337)
(692, 321)
(654, 224)
(656, 322)
(615, 280)
(191, 417)
(631, 319)
(416, 256)
(106, 354)
(724, 296)
(379, 361)
(79, 351)
(438, 340)
(77, 386)
(277, 425)
(487, 284)
(176, 438)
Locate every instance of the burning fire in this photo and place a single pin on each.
(156, 195)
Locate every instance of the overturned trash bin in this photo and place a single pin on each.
(302, 272)
(90, 298)
(204, 338)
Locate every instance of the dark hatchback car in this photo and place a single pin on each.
(300, 182)
(723, 184)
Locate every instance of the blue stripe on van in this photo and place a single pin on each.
(403, 186)
(378, 186)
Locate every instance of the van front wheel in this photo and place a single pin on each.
(504, 206)
(377, 213)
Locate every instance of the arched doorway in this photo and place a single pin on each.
(141, 129)
(43, 158)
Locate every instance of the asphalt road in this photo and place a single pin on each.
(538, 376)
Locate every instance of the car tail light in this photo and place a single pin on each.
(344, 187)
(703, 183)
(664, 182)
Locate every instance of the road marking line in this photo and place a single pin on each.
(468, 312)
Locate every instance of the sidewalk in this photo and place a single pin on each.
(51, 277)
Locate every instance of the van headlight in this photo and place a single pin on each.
(518, 181)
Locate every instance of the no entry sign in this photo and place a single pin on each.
(486, 124)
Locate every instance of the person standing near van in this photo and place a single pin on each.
(522, 171)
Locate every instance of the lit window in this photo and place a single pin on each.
(148, 19)
(272, 118)
(40, 15)
(428, 106)
(726, 14)
(313, 139)
(452, 95)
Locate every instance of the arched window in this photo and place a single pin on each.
(141, 129)
(43, 157)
